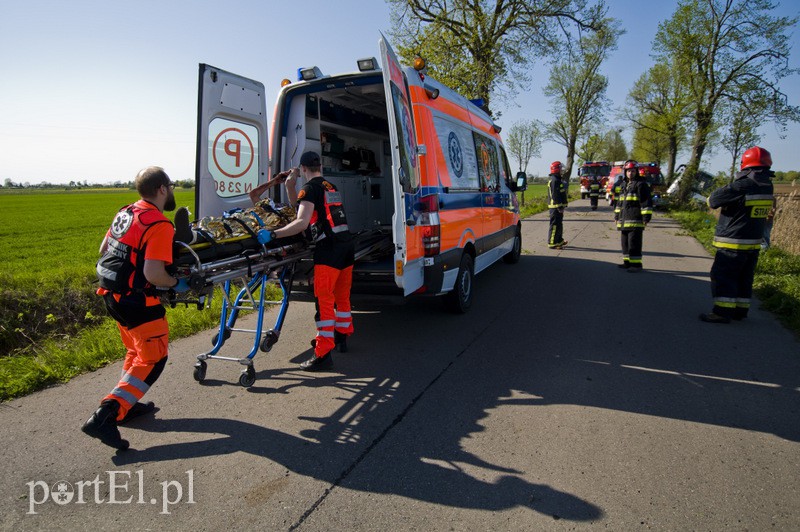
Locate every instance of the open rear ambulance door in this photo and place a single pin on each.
(232, 141)
(407, 237)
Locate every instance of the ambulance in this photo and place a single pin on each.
(426, 183)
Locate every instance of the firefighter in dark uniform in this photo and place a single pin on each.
(594, 191)
(616, 189)
(633, 211)
(135, 253)
(321, 211)
(745, 205)
(557, 202)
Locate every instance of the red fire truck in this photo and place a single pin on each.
(599, 169)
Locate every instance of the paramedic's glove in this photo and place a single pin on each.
(181, 286)
(265, 236)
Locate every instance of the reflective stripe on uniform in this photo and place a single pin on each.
(725, 302)
(136, 383)
(737, 243)
(126, 396)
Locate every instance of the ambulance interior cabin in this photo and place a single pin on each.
(344, 119)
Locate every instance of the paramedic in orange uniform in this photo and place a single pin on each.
(135, 252)
(320, 209)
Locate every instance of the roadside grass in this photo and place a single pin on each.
(52, 325)
(777, 280)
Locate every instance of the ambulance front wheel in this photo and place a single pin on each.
(460, 298)
(512, 257)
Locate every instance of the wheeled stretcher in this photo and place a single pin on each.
(244, 269)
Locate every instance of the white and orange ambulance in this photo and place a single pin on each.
(425, 179)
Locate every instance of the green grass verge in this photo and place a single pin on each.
(777, 280)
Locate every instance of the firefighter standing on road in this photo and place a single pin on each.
(557, 202)
(633, 211)
(135, 252)
(746, 204)
(594, 191)
(320, 208)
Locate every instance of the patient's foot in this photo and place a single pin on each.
(183, 230)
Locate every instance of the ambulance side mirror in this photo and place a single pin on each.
(520, 184)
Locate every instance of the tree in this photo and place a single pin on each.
(742, 134)
(577, 89)
(649, 144)
(659, 106)
(484, 48)
(524, 140)
(727, 50)
(614, 148)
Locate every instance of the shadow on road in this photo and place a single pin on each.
(634, 345)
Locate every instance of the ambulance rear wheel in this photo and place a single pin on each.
(512, 257)
(460, 298)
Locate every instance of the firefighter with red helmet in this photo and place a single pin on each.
(745, 205)
(557, 202)
(633, 211)
(135, 253)
(320, 210)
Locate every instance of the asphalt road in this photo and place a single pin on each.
(572, 396)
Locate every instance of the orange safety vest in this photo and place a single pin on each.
(121, 268)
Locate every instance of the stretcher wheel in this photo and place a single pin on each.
(200, 370)
(270, 338)
(248, 377)
(225, 336)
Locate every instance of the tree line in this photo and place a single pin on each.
(9, 183)
(716, 81)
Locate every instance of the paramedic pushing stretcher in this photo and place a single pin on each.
(321, 211)
(135, 252)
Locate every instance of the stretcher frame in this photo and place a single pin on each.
(243, 275)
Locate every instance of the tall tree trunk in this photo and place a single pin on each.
(703, 119)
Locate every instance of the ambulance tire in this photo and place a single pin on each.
(459, 299)
(512, 257)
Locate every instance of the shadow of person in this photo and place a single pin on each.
(437, 481)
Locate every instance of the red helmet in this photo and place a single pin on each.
(555, 167)
(756, 156)
(629, 165)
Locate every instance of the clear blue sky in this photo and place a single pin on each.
(96, 90)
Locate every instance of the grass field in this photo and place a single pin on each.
(52, 325)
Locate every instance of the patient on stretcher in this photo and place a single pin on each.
(233, 224)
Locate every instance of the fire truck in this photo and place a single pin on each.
(658, 185)
(599, 169)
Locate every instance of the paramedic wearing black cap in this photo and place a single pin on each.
(745, 205)
(320, 209)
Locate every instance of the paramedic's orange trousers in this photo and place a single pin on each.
(332, 293)
(144, 362)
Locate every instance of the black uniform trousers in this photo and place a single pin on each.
(732, 282)
(632, 246)
(555, 233)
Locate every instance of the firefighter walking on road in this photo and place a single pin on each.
(557, 202)
(634, 208)
(745, 205)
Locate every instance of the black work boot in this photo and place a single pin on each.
(183, 229)
(340, 340)
(315, 363)
(714, 318)
(138, 409)
(103, 425)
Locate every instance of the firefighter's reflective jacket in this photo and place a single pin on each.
(121, 268)
(634, 206)
(556, 192)
(745, 204)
